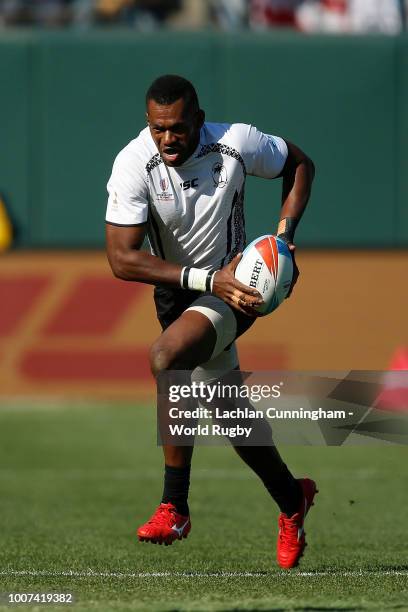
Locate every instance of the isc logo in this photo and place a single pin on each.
(192, 184)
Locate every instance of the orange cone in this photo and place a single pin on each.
(394, 395)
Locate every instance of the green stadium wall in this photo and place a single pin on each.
(71, 101)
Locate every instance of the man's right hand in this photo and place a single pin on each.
(235, 293)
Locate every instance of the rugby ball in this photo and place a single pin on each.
(267, 266)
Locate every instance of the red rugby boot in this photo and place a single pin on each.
(166, 525)
(291, 538)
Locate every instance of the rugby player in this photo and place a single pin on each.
(181, 182)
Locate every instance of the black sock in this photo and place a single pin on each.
(268, 465)
(284, 489)
(176, 485)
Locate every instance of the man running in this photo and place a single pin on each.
(181, 182)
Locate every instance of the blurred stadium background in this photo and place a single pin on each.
(72, 99)
(332, 76)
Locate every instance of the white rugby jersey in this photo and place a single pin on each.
(194, 212)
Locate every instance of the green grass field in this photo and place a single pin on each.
(76, 480)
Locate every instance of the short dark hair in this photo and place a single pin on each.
(168, 88)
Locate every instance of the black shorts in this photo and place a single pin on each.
(171, 303)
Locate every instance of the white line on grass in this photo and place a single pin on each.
(289, 574)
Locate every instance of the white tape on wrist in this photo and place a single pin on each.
(181, 277)
(212, 281)
(197, 279)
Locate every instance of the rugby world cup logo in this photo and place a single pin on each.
(219, 175)
(165, 195)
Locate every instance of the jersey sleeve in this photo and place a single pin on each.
(264, 155)
(128, 193)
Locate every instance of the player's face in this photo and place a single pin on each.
(175, 131)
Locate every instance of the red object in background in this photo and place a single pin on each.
(399, 360)
(93, 307)
(338, 6)
(395, 393)
(18, 296)
(268, 14)
(86, 365)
